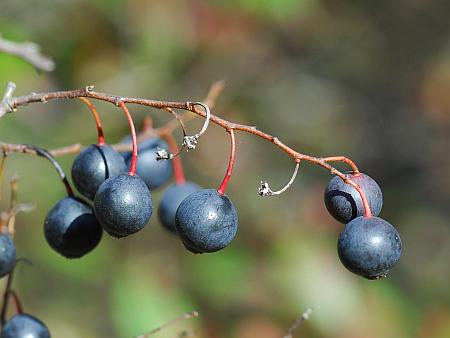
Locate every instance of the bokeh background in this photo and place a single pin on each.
(370, 80)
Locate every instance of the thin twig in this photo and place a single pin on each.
(210, 100)
(264, 189)
(305, 316)
(28, 51)
(169, 323)
(12, 103)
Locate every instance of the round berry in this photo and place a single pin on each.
(123, 205)
(369, 247)
(154, 173)
(344, 202)
(7, 255)
(71, 228)
(24, 326)
(206, 221)
(93, 166)
(170, 201)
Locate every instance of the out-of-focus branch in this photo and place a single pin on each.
(169, 323)
(299, 321)
(28, 51)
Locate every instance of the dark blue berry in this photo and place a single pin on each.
(369, 247)
(25, 326)
(71, 228)
(154, 173)
(170, 201)
(206, 221)
(7, 255)
(93, 166)
(123, 205)
(344, 202)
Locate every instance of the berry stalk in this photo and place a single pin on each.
(343, 159)
(7, 293)
(44, 153)
(101, 138)
(224, 183)
(134, 153)
(17, 303)
(178, 171)
(367, 211)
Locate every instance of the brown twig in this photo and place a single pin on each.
(14, 182)
(28, 51)
(210, 101)
(169, 323)
(10, 104)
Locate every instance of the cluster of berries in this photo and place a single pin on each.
(122, 203)
(117, 199)
(368, 245)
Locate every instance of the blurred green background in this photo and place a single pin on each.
(370, 80)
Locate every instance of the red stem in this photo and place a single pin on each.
(343, 159)
(367, 211)
(224, 183)
(178, 172)
(132, 170)
(101, 138)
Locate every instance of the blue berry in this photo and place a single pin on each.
(170, 201)
(154, 173)
(344, 202)
(369, 247)
(7, 255)
(93, 166)
(206, 221)
(25, 326)
(123, 205)
(71, 228)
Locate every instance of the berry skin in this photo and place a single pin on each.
(154, 173)
(7, 255)
(25, 326)
(344, 202)
(170, 201)
(369, 247)
(206, 221)
(71, 228)
(93, 166)
(123, 205)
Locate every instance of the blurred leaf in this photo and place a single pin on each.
(221, 276)
(140, 302)
(281, 9)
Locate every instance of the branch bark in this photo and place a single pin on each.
(10, 104)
